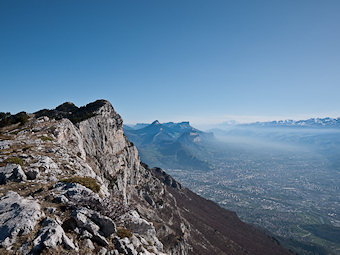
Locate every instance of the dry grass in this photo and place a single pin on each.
(12, 160)
(88, 182)
(123, 232)
(45, 138)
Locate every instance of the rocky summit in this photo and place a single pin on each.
(72, 183)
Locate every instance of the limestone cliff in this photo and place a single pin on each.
(72, 183)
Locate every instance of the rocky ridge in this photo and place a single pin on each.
(72, 183)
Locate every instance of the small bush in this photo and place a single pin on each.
(7, 118)
(88, 182)
(13, 160)
(123, 232)
(45, 138)
(72, 112)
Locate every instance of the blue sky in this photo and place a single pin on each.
(203, 61)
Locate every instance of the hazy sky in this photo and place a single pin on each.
(203, 61)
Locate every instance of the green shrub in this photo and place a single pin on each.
(72, 112)
(13, 160)
(7, 118)
(45, 138)
(123, 232)
(88, 182)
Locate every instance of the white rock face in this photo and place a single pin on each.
(12, 172)
(68, 136)
(105, 143)
(46, 164)
(18, 216)
(96, 148)
(50, 236)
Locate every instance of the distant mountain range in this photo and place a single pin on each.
(169, 145)
(181, 146)
(309, 123)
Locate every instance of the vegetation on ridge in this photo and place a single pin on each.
(7, 118)
(88, 182)
(70, 111)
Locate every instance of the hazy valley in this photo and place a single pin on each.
(281, 177)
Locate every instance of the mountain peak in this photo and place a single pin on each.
(156, 122)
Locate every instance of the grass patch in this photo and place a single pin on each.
(88, 182)
(123, 232)
(13, 160)
(45, 138)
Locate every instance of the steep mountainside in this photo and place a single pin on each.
(72, 183)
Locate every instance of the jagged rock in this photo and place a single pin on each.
(60, 199)
(84, 222)
(50, 209)
(75, 192)
(11, 172)
(107, 226)
(5, 144)
(24, 249)
(86, 234)
(50, 236)
(97, 225)
(136, 224)
(113, 252)
(67, 135)
(18, 216)
(102, 251)
(88, 243)
(32, 173)
(124, 246)
(99, 239)
(46, 164)
(166, 178)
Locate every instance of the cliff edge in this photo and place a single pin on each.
(72, 183)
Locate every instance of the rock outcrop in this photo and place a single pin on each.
(50, 236)
(18, 216)
(11, 172)
(82, 189)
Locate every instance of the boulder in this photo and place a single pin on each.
(11, 172)
(50, 236)
(76, 192)
(97, 225)
(136, 224)
(124, 246)
(18, 216)
(88, 244)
